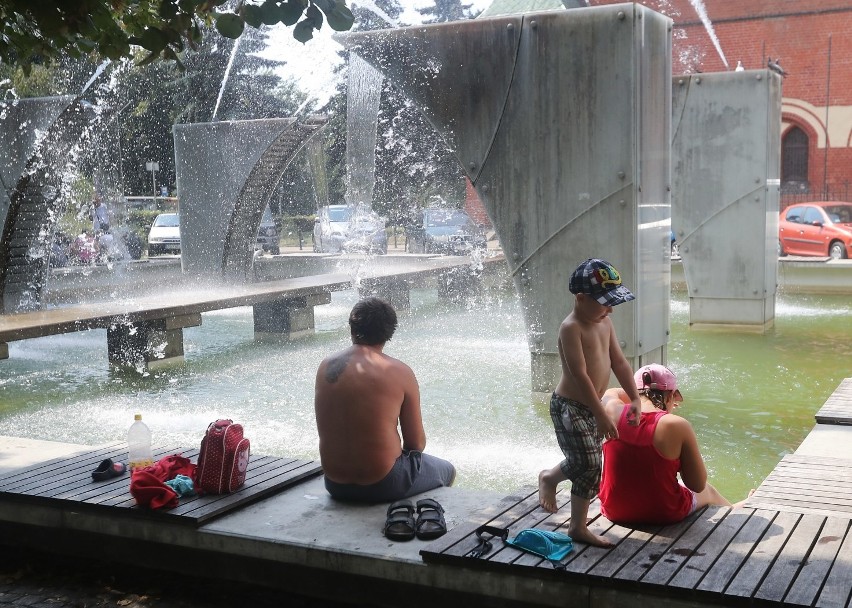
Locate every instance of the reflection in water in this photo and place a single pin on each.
(750, 397)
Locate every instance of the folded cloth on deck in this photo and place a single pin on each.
(182, 485)
(148, 484)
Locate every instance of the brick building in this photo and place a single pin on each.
(812, 39)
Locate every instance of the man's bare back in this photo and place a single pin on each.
(361, 396)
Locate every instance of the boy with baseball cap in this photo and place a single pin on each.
(589, 352)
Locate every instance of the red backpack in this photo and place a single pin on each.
(223, 459)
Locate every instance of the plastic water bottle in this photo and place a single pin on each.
(139, 444)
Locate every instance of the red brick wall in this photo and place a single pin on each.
(473, 206)
(798, 32)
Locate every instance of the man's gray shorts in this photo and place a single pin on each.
(412, 473)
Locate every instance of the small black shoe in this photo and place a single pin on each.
(108, 469)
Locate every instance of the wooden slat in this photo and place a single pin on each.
(676, 555)
(838, 408)
(790, 559)
(807, 484)
(723, 570)
(700, 562)
(815, 570)
(67, 483)
(836, 591)
(655, 548)
(762, 556)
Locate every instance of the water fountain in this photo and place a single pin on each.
(753, 396)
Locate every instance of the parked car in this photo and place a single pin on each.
(444, 230)
(821, 228)
(164, 236)
(269, 233)
(339, 228)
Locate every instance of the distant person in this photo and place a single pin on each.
(100, 215)
(641, 465)
(361, 397)
(84, 248)
(589, 351)
(58, 255)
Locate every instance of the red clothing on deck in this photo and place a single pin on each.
(638, 484)
(147, 484)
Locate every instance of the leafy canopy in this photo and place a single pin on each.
(36, 31)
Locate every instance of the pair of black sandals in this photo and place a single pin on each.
(401, 524)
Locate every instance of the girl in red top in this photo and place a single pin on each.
(640, 483)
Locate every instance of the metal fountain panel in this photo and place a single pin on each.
(226, 172)
(726, 189)
(563, 126)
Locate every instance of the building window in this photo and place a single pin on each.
(794, 161)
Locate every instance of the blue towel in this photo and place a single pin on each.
(552, 546)
(182, 485)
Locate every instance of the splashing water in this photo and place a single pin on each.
(225, 77)
(699, 7)
(362, 114)
(94, 77)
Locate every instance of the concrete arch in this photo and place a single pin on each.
(226, 172)
(35, 201)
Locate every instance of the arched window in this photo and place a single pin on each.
(794, 161)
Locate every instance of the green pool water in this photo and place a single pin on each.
(751, 398)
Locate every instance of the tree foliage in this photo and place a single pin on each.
(32, 32)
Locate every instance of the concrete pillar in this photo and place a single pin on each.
(725, 195)
(395, 291)
(562, 122)
(286, 319)
(4, 350)
(459, 284)
(151, 344)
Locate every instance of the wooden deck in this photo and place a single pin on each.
(67, 483)
(838, 408)
(718, 556)
(790, 544)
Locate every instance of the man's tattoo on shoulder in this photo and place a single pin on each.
(335, 368)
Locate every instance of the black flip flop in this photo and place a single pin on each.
(109, 469)
(400, 521)
(430, 519)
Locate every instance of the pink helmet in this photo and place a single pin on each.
(657, 377)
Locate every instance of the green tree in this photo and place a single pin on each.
(446, 10)
(32, 32)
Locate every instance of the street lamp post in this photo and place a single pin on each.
(153, 167)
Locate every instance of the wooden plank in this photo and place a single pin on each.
(461, 540)
(655, 548)
(838, 407)
(686, 546)
(537, 518)
(590, 556)
(723, 570)
(818, 563)
(762, 556)
(700, 562)
(790, 559)
(32, 475)
(631, 543)
(836, 591)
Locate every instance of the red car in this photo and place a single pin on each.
(822, 228)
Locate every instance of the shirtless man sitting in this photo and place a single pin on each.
(362, 397)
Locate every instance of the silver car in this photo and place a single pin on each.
(339, 228)
(164, 236)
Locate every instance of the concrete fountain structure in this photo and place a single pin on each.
(564, 132)
(37, 137)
